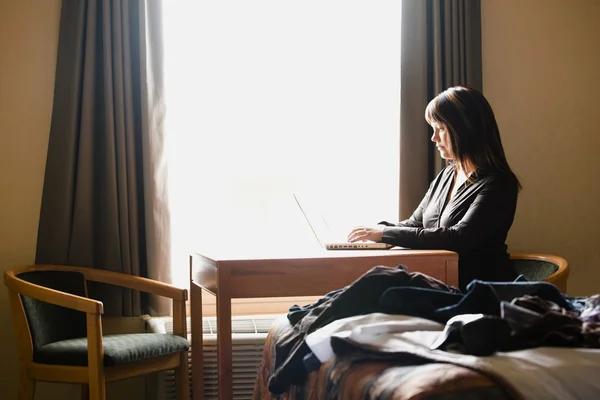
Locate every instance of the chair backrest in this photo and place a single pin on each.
(534, 270)
(50, 323)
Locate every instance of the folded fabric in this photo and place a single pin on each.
(359, 298)
(486, 297)
(538, 322)
(373, 324)
(481, 298)
(418, 302)
(476, 334)
(548, 373)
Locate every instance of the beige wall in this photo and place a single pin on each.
(541, 63)
(28, 40)
(28, 44)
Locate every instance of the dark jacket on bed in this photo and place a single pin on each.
(474, 223)
(360, 297)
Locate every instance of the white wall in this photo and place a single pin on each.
(541, 63)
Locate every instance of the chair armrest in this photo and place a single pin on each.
(118, 279)
(135, 283)
(52, 296)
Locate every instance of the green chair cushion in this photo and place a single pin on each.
(49, 323)
(118, 349)
(534, 270)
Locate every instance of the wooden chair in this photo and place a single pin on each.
(59, 331)
(542, 267)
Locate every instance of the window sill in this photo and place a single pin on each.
(255, 306)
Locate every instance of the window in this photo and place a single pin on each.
(266, 98)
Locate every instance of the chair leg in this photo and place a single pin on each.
(26, 388)
(182, 379)
(85, 392)
(97, 383)
(97, 390)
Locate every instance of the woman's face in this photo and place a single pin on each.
(441, 138)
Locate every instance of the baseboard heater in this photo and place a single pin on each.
(248, 337)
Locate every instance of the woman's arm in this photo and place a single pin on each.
(375, 234)
(492, 211)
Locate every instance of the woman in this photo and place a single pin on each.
(470, 206)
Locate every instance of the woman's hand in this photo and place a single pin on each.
(363, 233)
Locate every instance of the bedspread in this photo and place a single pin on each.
(349, 379)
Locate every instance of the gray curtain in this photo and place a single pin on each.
(104, 202)
(441, 47)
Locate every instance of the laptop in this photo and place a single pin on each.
(320, 229)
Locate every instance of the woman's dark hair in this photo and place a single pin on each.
(474, 132)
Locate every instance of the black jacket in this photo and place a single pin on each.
(359, 298)
(474, 223)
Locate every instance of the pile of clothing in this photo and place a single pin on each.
(488, 317)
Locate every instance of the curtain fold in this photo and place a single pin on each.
(104, 202)
(441, 47)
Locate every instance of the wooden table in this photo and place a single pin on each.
(233, 276)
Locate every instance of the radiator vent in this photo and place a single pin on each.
(248, 338)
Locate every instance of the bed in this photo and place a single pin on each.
(359, 379)
(509, 340)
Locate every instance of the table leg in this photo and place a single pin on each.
(197, 342)
(452, 272)
(224, 343)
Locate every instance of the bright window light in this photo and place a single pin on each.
(266, 98)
